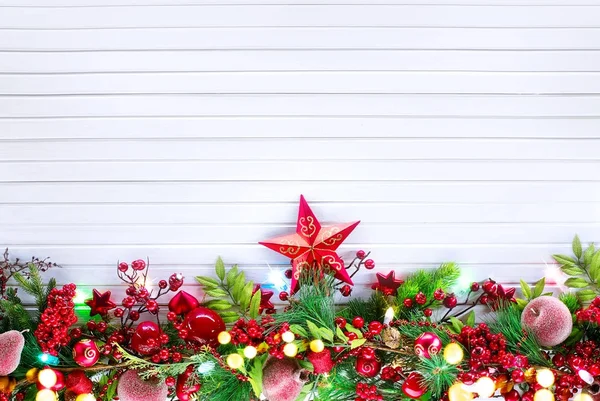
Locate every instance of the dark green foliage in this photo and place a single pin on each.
(571, 301)
(438, 375)
(14, 314)
(370, 309)
(222, 385)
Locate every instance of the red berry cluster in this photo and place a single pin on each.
(391, 374)
(248, 332)
(371, 330)
(591, 314)
(53, 330)
(585, 356)
(275, 342)
(361, 260)
(494, 293)
(365, 392)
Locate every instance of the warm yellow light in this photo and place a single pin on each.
(485, 387)
(224, 338)
(290, 350)
(250, 352)
(458, 392)
(543, 395)
(545, 377)
(85, 397)
(288, 337)
(453, 354)
(47, 378)
(32, 375)
(45, 395)
(317, 346)
(389, 315)
(583, 397)
(235, 361)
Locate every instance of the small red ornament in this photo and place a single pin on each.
(146, 339)
(284, 296)
(388, 284)
(86, 353)
(183, 303)
(413, 387)
(358, 322)
(512, 395)
(375, 327)
(138, 265)
(100, 304)
(313, 246)
(346, 290)
(175, 281)
(427, 344)
(369, 264)
(265, 298)
(361, 254)
(450, 301)
(321, 361)
(367, 367)
(203, 325)
(79, 383)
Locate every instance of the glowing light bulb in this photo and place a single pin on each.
(45, 395)
(290, 350)
(545, 377)
(389, 315)
(277, 278)
(235, 361)
(224, 338)
(250, 352)
(317, 346)
(453, 354)
(543, 395)
(459, 392)
(288, 337)
(586, 376)
(47, 378)
(85, 397)
(206, 367)
(485, 387)
(583, 397)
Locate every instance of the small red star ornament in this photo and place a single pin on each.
(388, 284)
(313, 246)
(100, 304)
(265, 298)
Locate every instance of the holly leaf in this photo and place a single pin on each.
(525, 289)
(576, 283)
(220, 269)
(357, 343)
(539, 287)
(255, 305)
(314, 330)
(577, 250)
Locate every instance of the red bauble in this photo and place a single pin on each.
(512, 395)
(321, 361)
(203, 325)
(146, 339)
(427, 344)
(367, 367)
(78, 383)
(412, 386)
(183, 303)
(86, 353)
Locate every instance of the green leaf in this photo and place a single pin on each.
(229, 314)
(354, 330)
(218, 304)
(340, 334)
(326, 334)
(595, 267)
(314, 330)
(255, 374)
(207, 282)
(357, 343)
(577, 250)
(471, 319)
(525, 289)
(238, 286)
(298, 330)
(565, 260)
(246, 295)
(539, 287)
(572, 270)
(215, 293)
(576, 283)
(255, 305)
(231, 319)
(586, 295)
(521, 303)
(587, 255)
(220, 269)
(304, 364)
(231, 275)
(457, 325)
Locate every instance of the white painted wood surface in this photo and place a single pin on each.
(180, 130)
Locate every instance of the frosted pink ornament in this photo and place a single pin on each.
(283, 379)
(133, 388)
(548, 319)
(11, 344)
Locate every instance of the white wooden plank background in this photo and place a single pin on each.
(181, 130)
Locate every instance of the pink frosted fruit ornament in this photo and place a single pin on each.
(548, 319)
(11, 343)
(283, 379)
(133, 388)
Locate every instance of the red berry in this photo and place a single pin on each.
(450, 301)
(361, 254)
(358, 322)
(162, 284)
(340, 322)
(518, 376)
(346, 290)
(183, 333)
(490, 286)
(288, 273)
(559, 360)
(370, 264)
(439, 294)
(408, 302)
(484, 300)
(128, 302)
(123, 266)
(138, 265)
(170, 381)
(427, 312)
(420, 298)
(152, 306)
(118, 312)
(474, 286)
(375, 327)
(351, 336)
(284, 296)
(171, 316)
(367, 353)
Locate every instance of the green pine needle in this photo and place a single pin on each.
(438, 375)
(571, 301)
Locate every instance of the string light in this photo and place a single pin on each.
(206, 367)
(317, 346)
(545, 377)
(459, 392)
(224, 338)
(288, 337)
(48, 359)
(583, 397)
(45, 395)
(290, 350)
(235, 361)
(453, 354)
(485, 387)
(47, 378)
(389, 315)
(277, 280)
(250, 352)
(543, 395)
(586, 376)
(85, 397)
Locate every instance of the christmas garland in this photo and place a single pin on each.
(415, 338)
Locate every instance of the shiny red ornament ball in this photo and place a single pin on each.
(361, 254)
(138, 265)
(413, 387)
(284, 296)
(203, 325)
(427, 344)
(123, 266)
(146, 339)
(183, 303)
(369, 264)
(450, 301)
(512, 395)
(358, 322)
(375, 327)
(86, 353)
(367, 367)
(346, 290)
(288, 273)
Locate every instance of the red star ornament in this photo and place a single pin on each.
(388, 284)
(265, 298)
(100, 304)
(313, 245)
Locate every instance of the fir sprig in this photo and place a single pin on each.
(438, 375)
